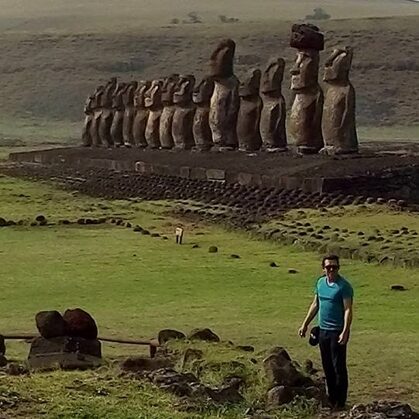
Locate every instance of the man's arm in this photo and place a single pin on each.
(347, 306)
(312, 312)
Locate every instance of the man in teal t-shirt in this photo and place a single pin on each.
(333, 304)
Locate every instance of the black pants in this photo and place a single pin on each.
(334, 365)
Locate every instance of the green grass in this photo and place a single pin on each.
(135, 285)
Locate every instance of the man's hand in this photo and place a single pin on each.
(302, 331)
(343, 338)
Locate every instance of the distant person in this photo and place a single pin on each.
(333, 302)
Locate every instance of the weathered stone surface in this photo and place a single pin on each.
(169, 334)
(306, 112)
(166, 119)
(141, 364)
(96, 113)
(248, 120)
(118, 115)
(79, 323)
(201, 129)
(64, 352)
(129, 114)
(50, 324)
(225, 101)
(106, 115)
(338, 122)
(203, 334)
(277, 396)
(155, 107)
(182, 126)
(382, 409)
(141, 114)
(273, 115)
(306, 36)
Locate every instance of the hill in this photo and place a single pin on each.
(53, 55)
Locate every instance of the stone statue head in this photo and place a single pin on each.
(250, 85)
(221, 61)
(184, 89)
(140, 91)
(338, 65)
(305, 71)
(168, 88)
(153, 94)
(203, 91)
(273, 76)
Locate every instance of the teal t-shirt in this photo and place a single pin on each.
(330, 297)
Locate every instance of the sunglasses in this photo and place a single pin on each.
(331, 267)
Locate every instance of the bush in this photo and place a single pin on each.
(318, 14)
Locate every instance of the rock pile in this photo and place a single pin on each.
(381, 410)
(68, 341)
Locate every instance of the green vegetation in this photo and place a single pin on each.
(135, 285)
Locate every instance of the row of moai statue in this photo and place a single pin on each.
(222, 113)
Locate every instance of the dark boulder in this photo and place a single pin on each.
(203, 334)
(50, 324)
(80, 323)
(278, 396)
(169, 334)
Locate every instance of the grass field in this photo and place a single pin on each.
(135, 285)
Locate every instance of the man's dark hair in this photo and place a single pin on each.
(330, 257)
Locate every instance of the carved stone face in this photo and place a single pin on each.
(305, 71)
(221, 62)
(273, 76)
(250, 85)
(153, 94)
(203, 91)
(168, 88)
(140, 92)
(338, 65)
(184, 89)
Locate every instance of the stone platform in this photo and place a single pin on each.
(390, 175)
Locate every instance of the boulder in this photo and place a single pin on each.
(277, 396)
(2, 345)
(398, 287)
(50, 324)
(169, 334)
(213, 249)
(203, 334)
(79, 323)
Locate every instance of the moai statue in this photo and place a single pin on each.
(306, 112)
(106, 116)
(88, 111)
(97, 112)
(129, 113)
(273, 117)
(141, 114)
(154, 105)
(249, 113)
(338, 124)
(166, 119)
(118, 115)
(224, 106)
(201, 128)
(183, 117)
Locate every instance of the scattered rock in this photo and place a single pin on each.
(138, 229)
(40, 218)
(398, 287)
(235, 256)
(277, 396)
(14, 368)
(141, 364)
(381, 410)
(79, 323)
(273, 265)
(213, 249)
(3, 361)
(128, 225)
(145, 232)
(50, 324)
(292, 271)
(195, 246)
(166, 335)
(3, 222)
(154, 235)
(203, 334)
(2, 345)
(81, 221)
(119, 222)
(246, 348)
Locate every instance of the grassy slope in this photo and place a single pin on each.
(135, 285)
(44, 90)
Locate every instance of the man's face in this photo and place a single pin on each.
(331, 269)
